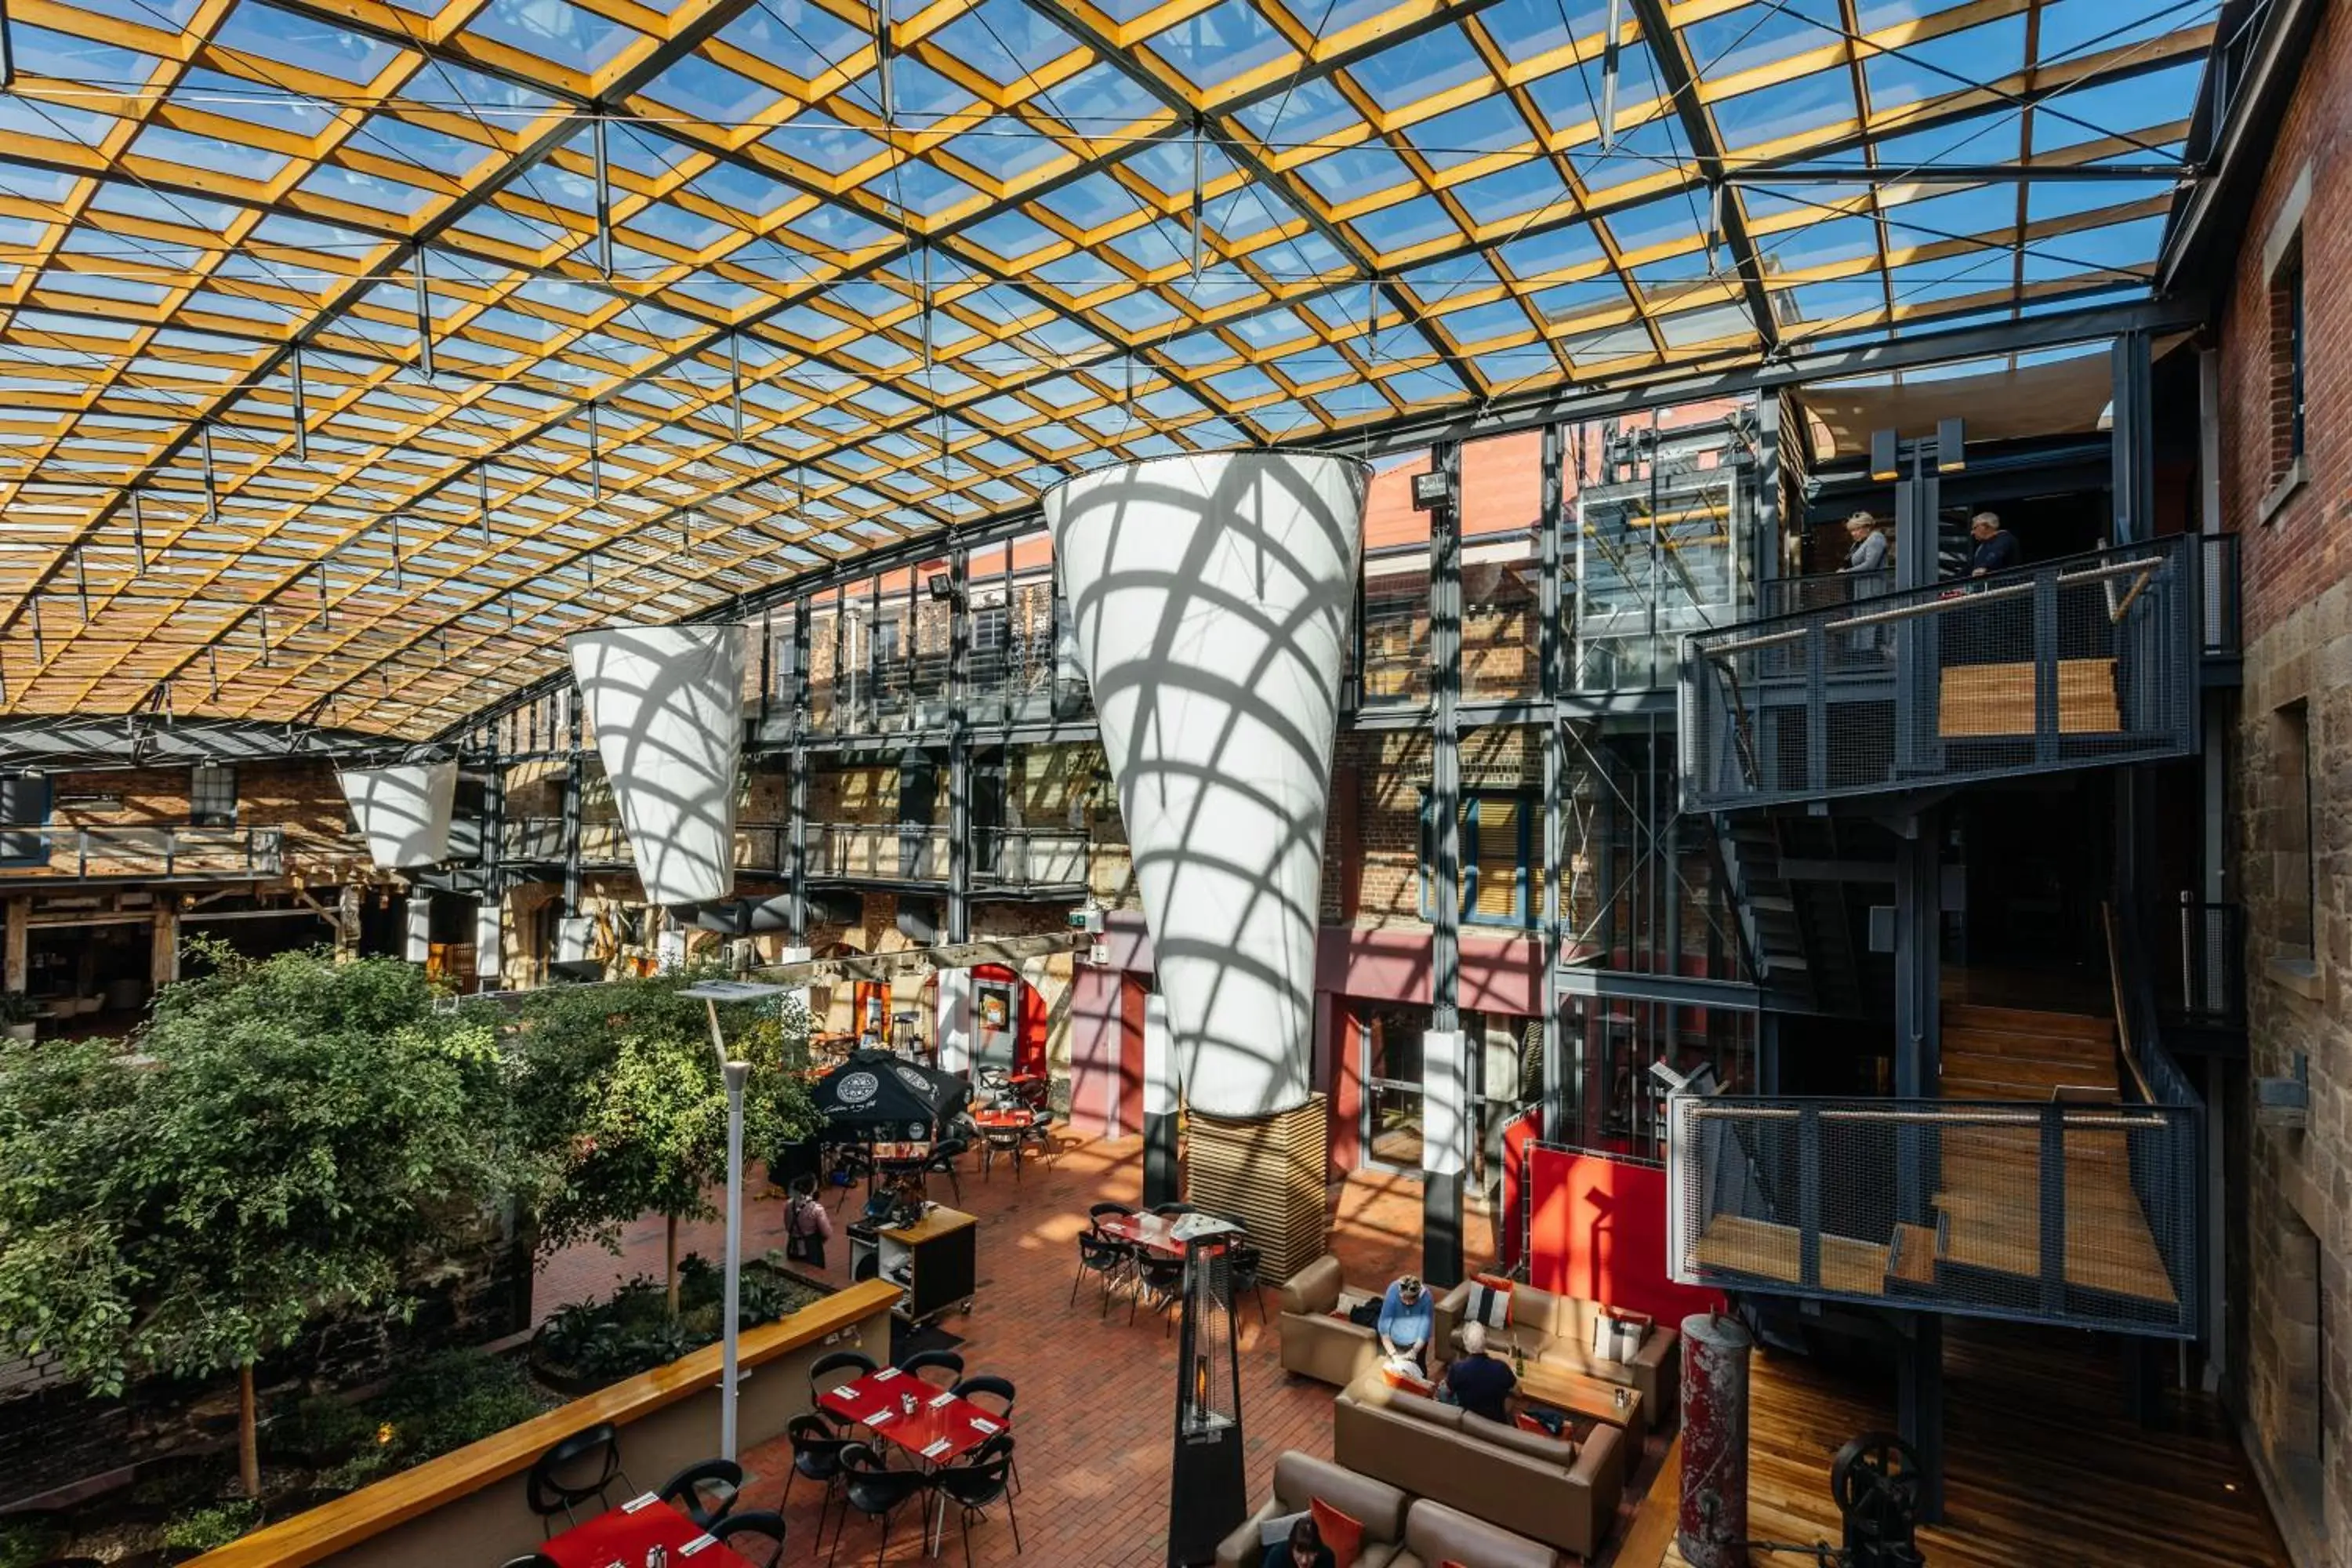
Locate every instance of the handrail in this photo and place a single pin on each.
(1959, 588)
(2123, 1010)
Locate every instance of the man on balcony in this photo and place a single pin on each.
(1996, 547)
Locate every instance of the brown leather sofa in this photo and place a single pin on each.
(1558, 1331)
(1299, 1480)
(1434, 1534)
(1518, 1481)
(1317, 1340)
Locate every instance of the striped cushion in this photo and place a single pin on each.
(1487, 1305)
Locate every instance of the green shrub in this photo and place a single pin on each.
(320, 1431)
(449, 1400)
(369, 1465)
(209, 1529)
(630, 1331)
(25, 1541)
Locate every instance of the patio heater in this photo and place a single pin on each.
(710, 992)
(1207, 1492)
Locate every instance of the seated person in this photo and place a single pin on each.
(1480, 1384)
(1305, 1549)
(1408, 1317)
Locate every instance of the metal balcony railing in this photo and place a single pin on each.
(854, 851)
(1029, 857)
(539, 840)
(2068, 1213)
(146, 853)
(2078, 662)
(2200, 978)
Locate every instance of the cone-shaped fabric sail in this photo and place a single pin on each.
(403, 811)
(666, 705)
(1212, 596)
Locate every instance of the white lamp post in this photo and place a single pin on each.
(711, 992)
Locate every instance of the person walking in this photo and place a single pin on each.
(1997, 549)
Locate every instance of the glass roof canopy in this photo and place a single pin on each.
(354, 352)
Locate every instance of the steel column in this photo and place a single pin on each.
(1919, 1405)
(958, 746)
(797, 796)
(1444, 1057)
(1712, 1522)
(1555, 781)
(2133, 452)
(1918, 923)
(573, 780)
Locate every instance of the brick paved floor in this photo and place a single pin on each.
(1096, 1396)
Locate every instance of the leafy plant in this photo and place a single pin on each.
(16, 1007)
(361, 1468)
(630, 1331)
(285, 1137)
(24, 1542)
(320, 1430)
(209, 1529)
(620, 1089)
(448, 1401)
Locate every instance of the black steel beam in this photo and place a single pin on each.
(1681, 81)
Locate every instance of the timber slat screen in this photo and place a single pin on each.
(2059, 1212)
(2087, 661)
(357, 353)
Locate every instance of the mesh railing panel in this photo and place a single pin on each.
(2083, 1214)
(2201, 974)
(2073, 663)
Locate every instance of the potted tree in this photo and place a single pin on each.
(17, 1013)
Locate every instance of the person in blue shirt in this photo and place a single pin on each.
(1997, 549)
(1408, 1319)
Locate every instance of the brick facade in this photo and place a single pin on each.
(2295, 1295)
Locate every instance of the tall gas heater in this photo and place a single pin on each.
(1207, 1493)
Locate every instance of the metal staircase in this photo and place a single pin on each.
(1799, 933)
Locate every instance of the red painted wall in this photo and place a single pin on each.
(1599, 1231)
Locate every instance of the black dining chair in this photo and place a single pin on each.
(922, 1361)
(1004, 1141)
(531, 1560)
(1160, 1280)
(581, 1467)
(993, 1394)
(942, 1162)
(705, 1491)
(831, 1370)
(816, 1454)
(1245, 1269)
(1106, 1256)
(1098, 1211)
(1039, 1135)
(876, 1491)
(981, 1480)
(735, 1530)
(1170, 1210)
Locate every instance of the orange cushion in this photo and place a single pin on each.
(1343, 1535)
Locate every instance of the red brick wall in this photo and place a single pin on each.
(2305, 547)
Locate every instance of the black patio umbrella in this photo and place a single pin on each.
(881, 1094)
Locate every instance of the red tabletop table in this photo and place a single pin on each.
(942, 1427)
(623, 1535)
(1154, 1231)
(1002, 1118)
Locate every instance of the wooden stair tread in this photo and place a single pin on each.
(2011, 1045)
(2027, 1020)
(2025, 1070)
(1913, 1256)
(2113, 1252)
(1773, 1251)
(1997, 701)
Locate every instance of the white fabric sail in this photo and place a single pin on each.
(1211, 595)
(403, 811)
(666, 706)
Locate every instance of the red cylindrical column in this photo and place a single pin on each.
(1714, 1442)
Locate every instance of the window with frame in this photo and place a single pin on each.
(2288, 370)
(24, 802)
(1502, 858)
(212, 797)
(990, 628)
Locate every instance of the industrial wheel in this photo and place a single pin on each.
(1876, 1485)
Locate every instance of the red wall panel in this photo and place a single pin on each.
(1599, 1231)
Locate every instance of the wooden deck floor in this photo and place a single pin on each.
(2044, 1469)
